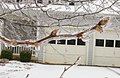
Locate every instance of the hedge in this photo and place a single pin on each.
(25, 56)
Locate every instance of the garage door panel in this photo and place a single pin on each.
(107, 61)
(63, 59)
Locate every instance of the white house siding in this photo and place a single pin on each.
(107, 56)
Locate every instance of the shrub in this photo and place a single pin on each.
(8, 54)
(25, 56)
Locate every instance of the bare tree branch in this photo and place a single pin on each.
(113, 71)
(9, 12)
(20, 9)
(46, 12)
(53, 34)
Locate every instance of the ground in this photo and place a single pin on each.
(16, 69)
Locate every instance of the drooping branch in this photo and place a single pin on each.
(98, 27)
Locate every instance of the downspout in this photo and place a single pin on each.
(90, 50)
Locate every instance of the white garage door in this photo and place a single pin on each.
(65, 51)
(107, 48)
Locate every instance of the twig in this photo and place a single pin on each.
(66, 69)
(113, 71)
(27, 76)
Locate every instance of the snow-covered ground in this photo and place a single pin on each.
(15, 69)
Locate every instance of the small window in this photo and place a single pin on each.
(49, 2)
(117, 43)
(39, 1)
(71, 3)
(52, 41)
(100, 42)
(18, 0)
(109, 43)
(71, 42)
(61, 41)
(80, 42)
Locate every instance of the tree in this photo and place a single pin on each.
(17, 17)
(30, 15)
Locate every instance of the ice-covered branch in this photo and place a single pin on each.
(98, 27)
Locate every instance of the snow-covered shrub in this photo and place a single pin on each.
(25, 56)
(8, 54)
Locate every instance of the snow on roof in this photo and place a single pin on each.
(93, 6)
(59, 11)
